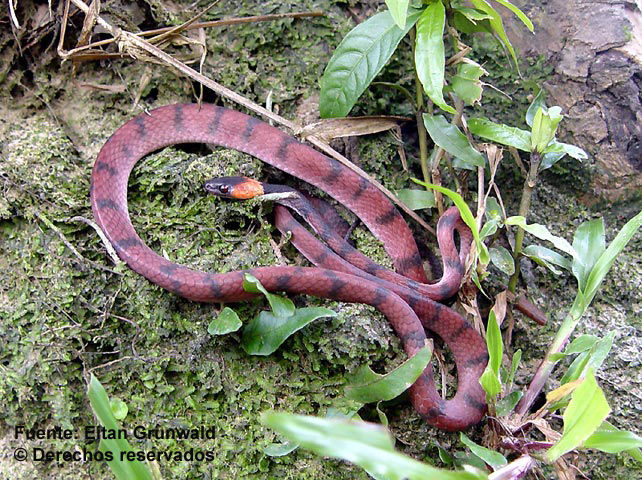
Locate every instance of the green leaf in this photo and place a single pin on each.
(585, 413)
(518, 13)
(492, 458)
(430, 61)
(541, 232)
(399, 11)
(545, 125)
(450, 138)
(565, 148)
(555, 357)
(416, 199)
(358, 59)
(595, 358)
(547, 258)
(466, 83)
(549, 159)
(473, 15)
(367, 445)
(118, 408)
(502, 259)
(576, 368)
(280, 449)
(500, 133)
(490, 227)
(467, 23)
(538, 101)
(490, 379)
(265, 333)
(603, 265)
(281, 306)
(589, 243)
(466, 216)
(497, 25)
(493, 210)
(609, 439)
(506, 405)
(581, 344)
(122, 469)
(227, 321)
(517, 357)
(367, 386)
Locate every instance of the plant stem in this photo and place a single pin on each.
(524, 207)
(546, 367)
(421, 129)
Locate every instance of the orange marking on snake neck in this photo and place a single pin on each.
(248, 189)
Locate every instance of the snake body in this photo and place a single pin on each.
(404, 298)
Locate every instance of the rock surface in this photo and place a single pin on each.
(596, 48)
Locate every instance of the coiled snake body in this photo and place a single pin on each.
(404, 298)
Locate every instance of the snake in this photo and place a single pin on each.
(341, 273)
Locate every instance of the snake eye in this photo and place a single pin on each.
(224, 189)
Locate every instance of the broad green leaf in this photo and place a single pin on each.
(465, 23)
(122, 469)
(450, 138)
(118, 408)
(502, 259)
(497, 25)
(281, 306)
(585, 413)
(490, 227)
(549, 159)
(473, 15)
(581, 344)
(507, 404)
(367, 386)
(575, 369)
(589, 243)
(603, 265)
(367, 445)
(358, 59)
(492, 208)
(541, 232)
(490, 379)
(492, 458)
(571, 150)
(416, 199)
(518, 13)
(399, 11)
(538, 101)
(609, 439)
(500, 133)
(466, 83)
(555, 357)
(227, 321)
(547, 258)
(595, 357)
(265, 333)
(280, 449)
(430, 61)
(466, 216)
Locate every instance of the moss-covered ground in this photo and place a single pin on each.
(67, 311)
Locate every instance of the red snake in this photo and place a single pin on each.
(404, 298)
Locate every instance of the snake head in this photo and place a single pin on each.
(238, 188)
